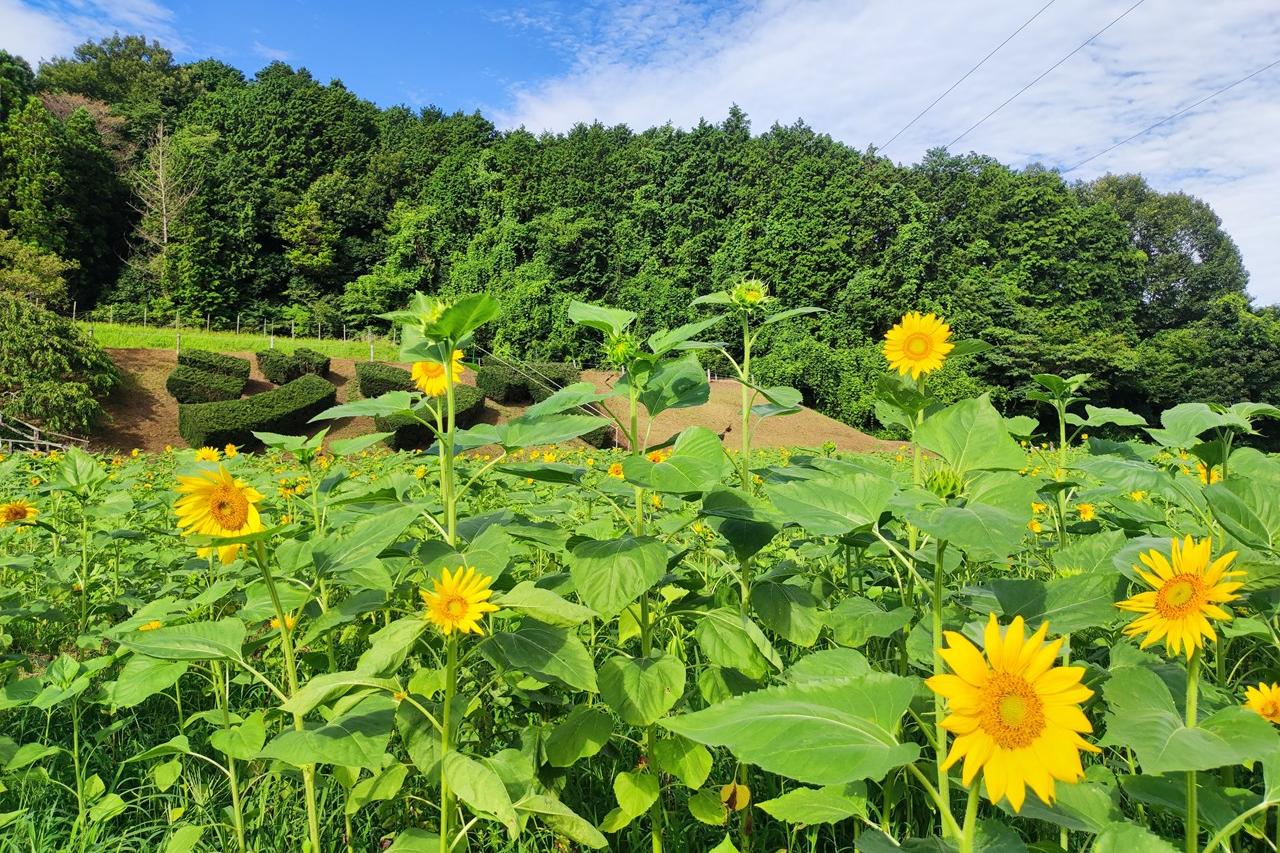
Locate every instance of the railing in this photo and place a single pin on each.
(17, 434)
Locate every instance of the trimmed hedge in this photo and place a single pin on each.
(409, 434)
(373, 378)
(215, 362)
(188, 384)
(281, 367)
(505, 384)
(286, 409)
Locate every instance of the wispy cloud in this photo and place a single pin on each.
(271, 54)
(861, 71)
(39, 31)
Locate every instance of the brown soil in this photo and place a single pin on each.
(144, 416)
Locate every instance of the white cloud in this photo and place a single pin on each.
(271, 54)
(862, 70)
(40, 31)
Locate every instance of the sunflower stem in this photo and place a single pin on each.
(1193, 815)
(940, 743)
(968, 831)
(450, 687)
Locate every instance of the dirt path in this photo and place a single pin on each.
(144, 416)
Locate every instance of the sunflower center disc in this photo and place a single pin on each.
(229, 507)
(455, 606)
(1179, 596)
(1012, 712)
(917, 345)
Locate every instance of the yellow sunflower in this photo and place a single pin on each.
(1088, 512)
(17, 512)
(1184, 596)
(615, 470)
(429, 376)
(1265, 699)
(231, 451)
(918, 344)
(1014, 715)
(1208, 474)
(214, 503)
(459, 601)
(207, 454)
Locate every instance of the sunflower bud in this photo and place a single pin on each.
(945, 483)
(749, 293)
(620, 349)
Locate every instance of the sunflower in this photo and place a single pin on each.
(230, 451)
(1087, 512)
(213, 503)
(429, 376)
(1208, 474)
(1015, 715)
(207, 454)
(1265, 699)
(459, 601)
(615, 470)
(1184, 596)
(17, 512)
(917, 345)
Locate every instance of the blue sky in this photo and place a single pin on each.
(857, 69)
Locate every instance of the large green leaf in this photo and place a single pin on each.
(982, 531)
(823, 733)
(358, 738)
(1142, 716)
(970, 436)
(342, 556)
(856, 620)
(833, 506)
(532, 430)
(731, 639)
(581, 734)
(481, 789)
(545, 652)
(676, 383)
(697, 464)
(195, 641)
(542, 604)
(788, 609)
(808, 806)
(562, 820)
(141, 677)
(640, 690)
(1069, 604)
(611, 574)
(1247, 509)
(607, 320)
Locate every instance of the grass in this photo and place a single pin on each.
(123, 336)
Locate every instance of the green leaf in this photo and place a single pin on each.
(725, 846)
(697, 464)
(674, 384)
(1247, 509)
(342, 556)
(463, 316)
(330, 685)
(791, 312)
(1097, 416)
(682, 758)
(833, 506)
(355, 739)
(611, 574)
(582, 733)
(141, 677)
(378, 788)
(1183, 424)
(827, 664)
(481, 789)
(789, 610)
(1141, 715)
(569, 397)
(730, 639)
(970, 436)
(982, 531)
(562, 820)
(184, 839)
(856, 620)
(543, 605)
(640, 690)
(834, 731)
(242, 742)
(663, 342)
(106, 808)
(545, 652)
(544, 472)
(1069, 604)
(1130, 838)
(389, 646)
(221, 640)
(390, 403)
(706, 807)
(608, 320)
(414, 840)
(635, 792)
(808, 806)
(529, 431)
(352, 446)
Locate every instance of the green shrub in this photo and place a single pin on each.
(279, 367)
(215, 362)
(51, 373)
(311, 361)
(286, 409)
(410, 434)
(505, 383)
(601, 438)
(188, 384)
(373, 378)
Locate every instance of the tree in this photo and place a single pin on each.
(17, 82)
(32, 274)
(163, 185)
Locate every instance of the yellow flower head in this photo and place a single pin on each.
(1088, 512)
(615, 470)
(1035, 526)
(918, 344)
(213, 503)
(1265, 699)
(207, 454)
(1137, 496)
(149, 626)
(1014, 715)
(35, 481)
(430, 377)
(1208, 475)
(1038, 507)
(1185, 594)
(420, 472)
(662, 455)
(17, 512)
(230, 451)
(168, 448)
(459, 601)
(290, 622)
(135, 453)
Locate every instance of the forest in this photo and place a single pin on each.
(130, 182)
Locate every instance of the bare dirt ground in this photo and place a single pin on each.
(144, 416)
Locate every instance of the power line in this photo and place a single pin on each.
(966, 74)
(1046, 72)
(1172, 117)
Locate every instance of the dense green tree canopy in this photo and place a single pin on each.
(303, 202)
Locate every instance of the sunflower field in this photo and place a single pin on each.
(1001, 637)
